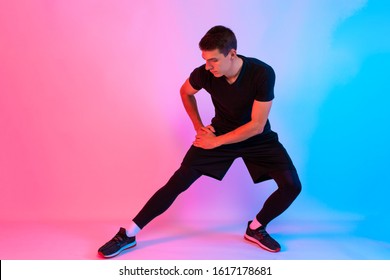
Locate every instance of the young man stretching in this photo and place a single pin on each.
(242, 90)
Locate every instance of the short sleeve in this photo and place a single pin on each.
(197, 78)
(266, 83)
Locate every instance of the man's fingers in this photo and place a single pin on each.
(208, 129)
(211, 128)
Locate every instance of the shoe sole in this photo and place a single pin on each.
(127, 247)
(253, 240)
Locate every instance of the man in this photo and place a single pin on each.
(242, 90)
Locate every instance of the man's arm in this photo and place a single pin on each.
(187, 93)
(260, 112)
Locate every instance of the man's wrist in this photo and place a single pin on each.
(198, 126)
(218, 141)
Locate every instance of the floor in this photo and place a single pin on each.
(303, 240)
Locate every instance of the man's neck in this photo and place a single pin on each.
(236, 69)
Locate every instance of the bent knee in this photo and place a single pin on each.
(289, 183)
(296, 188)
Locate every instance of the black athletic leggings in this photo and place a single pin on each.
(289, 187)
(288, 183)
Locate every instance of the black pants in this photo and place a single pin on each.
(288, 189)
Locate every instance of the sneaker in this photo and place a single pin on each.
(117, 244)
(261, 237)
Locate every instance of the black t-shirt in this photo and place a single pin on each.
(233, 102)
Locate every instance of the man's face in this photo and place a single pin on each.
(217, 63)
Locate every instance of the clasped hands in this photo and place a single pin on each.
(205, 138)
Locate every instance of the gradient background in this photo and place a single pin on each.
(91, 122)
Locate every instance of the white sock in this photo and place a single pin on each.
(255, 224)
(132, 230)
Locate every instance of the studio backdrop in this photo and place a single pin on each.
(91, 121)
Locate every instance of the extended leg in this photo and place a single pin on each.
(157, 204)
(181, 180)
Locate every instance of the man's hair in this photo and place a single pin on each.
(219, 37)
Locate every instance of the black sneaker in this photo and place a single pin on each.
(261, 237)
(117, 244)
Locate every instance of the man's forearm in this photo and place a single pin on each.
(240, 134)
(206, 138)
(191, 108)
(260, 112)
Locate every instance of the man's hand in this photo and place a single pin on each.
(205, 138)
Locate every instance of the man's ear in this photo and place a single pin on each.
(233, 53)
